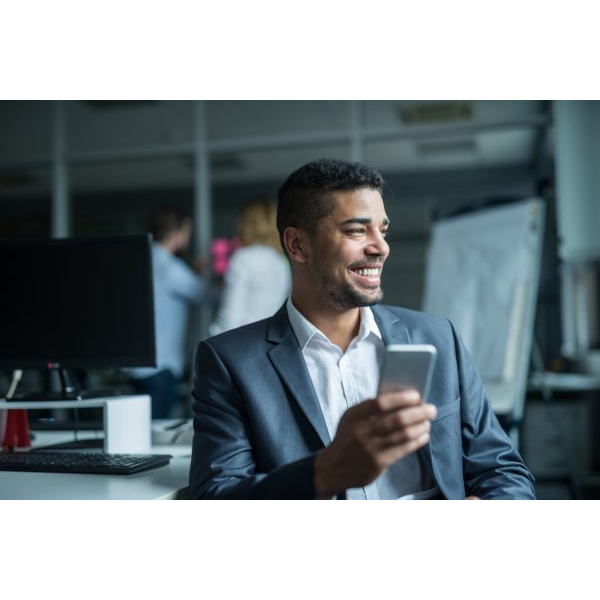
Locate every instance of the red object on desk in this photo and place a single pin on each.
(16, 434)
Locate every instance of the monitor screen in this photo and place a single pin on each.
(76, 303)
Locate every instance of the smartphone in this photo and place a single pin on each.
(407, 366)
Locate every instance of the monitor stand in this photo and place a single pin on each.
(126, 420)
(71, 390)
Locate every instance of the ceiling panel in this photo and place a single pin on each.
(119, 125)
(238, 119)
(432, 114)
(278, 164)
(131, 175)
(26, 128)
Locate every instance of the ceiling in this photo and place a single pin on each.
(128, 145)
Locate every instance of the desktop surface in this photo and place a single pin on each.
(167, 482)
(163, 483)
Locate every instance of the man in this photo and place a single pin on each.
(288, 407)
(176, 287)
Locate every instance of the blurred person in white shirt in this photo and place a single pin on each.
(257, 281)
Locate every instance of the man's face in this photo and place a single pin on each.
(347, 251)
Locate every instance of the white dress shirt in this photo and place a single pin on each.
(343, 379)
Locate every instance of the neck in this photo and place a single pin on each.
(340, 327)
(169, 246)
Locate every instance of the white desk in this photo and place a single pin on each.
(164, 483)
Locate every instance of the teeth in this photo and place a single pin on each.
(368, 272)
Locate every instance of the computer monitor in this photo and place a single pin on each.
(80, 303)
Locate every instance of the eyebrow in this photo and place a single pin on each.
(362, 221)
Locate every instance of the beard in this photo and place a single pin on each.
(348, 297)
(343, 296)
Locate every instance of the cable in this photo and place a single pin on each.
(76, 426)
(16, 377)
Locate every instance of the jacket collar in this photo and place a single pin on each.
(286, 357)
(390, 326)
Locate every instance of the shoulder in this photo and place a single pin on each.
(408, 317)
(422, 327)
(247, 338)
(159, 255)
(245, 257)
(164, 259)
(242, 351)
(256, 252)
(250, 260)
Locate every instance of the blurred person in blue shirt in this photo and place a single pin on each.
(176, 288)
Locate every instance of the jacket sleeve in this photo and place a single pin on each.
(223, 462)
(492, 467)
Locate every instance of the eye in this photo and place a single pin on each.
(357, 231)
(384, 232)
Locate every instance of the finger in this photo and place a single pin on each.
(392, 400)
(394, 453)
(398, 419)
(408, 434)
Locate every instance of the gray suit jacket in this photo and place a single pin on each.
(258, 423)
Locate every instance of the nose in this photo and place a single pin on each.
(378, 246)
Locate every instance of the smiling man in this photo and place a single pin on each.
(288, 407)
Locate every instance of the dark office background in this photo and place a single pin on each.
(100, 167)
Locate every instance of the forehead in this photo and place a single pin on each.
(363, 203)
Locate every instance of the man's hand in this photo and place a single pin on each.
(370, 437)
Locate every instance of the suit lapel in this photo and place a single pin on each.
(393, 332)
(288, 361)
(390, 326)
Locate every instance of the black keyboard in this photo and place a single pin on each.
(81, 462)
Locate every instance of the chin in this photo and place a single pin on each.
(352, 298)
(372, 301)
(368, 298)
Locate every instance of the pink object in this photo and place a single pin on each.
(221, 250)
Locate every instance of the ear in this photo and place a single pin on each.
(296, 244)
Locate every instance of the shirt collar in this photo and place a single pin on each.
(305, 331)
(367, 324)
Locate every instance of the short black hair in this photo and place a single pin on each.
(166, 220)
(305, 197)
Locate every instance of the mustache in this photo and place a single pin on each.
(362, 264)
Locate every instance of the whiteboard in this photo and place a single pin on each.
(483, 274)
